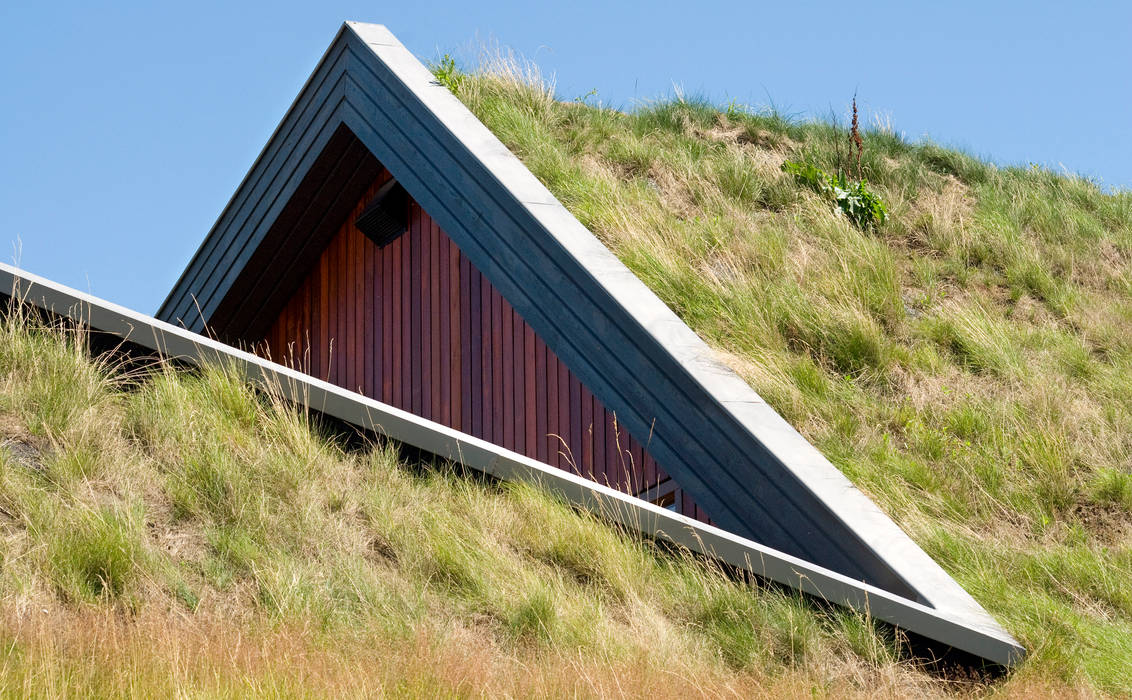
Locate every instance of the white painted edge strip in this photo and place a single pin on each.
(987, 642)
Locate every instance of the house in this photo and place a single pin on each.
(406, 268)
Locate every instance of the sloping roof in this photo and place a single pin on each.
(370, 102)
(978, 636)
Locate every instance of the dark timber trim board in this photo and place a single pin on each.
(755, 475)
(976, 634)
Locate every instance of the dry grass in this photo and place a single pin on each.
(968, 363)
(101, 653)
(212, 541)
(175, 533)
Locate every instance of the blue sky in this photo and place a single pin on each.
(125, 128)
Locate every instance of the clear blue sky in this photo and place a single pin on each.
(124, 128)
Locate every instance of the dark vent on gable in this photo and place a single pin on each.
(386, 215)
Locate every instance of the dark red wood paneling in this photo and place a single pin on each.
(416, 325)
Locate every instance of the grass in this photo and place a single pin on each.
(178, 532)
(967, 363)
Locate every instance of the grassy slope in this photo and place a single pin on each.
(167, 531)
(968, 365)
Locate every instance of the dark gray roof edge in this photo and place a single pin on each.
(978, 635)
(811, 468)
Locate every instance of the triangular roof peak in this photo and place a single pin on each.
(370, 104)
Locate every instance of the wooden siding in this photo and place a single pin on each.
(417, 326)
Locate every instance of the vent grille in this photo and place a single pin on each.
(386, 216)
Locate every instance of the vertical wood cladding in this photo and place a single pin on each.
(417, 326)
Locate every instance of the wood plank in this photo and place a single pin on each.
(326, 310)
(284, 336)
(586, 403)
(324, 307)
(405, 348)
(637, 455)
(424, 292)
(602, 472)
(541, 401)
(361, 307)
(376, 301)
(443, 364)
(414, 357)
(397, 337)
(574, 439)
(297, 332)
(507, 345)
(469, 377)
(289, 336)
(388, 330)
(344, 326)
(357, 333)
(331, 311)
(272, 341)
(530, 422)
(315, 368)
(305, 324)
(552, 404)
(349, 349)
(350, 301)
(336, 312)
(496, 301)
(455, 319)
(369, 318)
(614, 457)
(563, 428)
(484, 349)
(627, 456)
(519, 370)
(267, 347)
(476, 357)
(371, 363)
(280, 345)
(437, 347)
